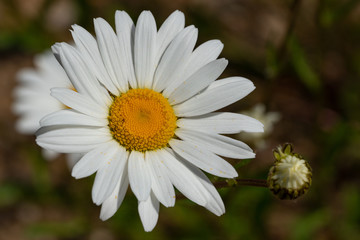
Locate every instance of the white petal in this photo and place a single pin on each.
(215, 143)
(218, 95)
(214, 202)
(67, 148)
(110, 53)
(201, 56)
(90, 53)
(27, 124)
(168, 30)
(81, 77)
(139, 176)
(203, 158)
(125, 30)
(49, 155)
(161, 184)
(145, 49)
(72, 139)
(182, 178)
(36, 106)
(73, 135)
(172, 62)
(72, 117)
(47, 65)
(29, 76)
(149, 212)
(198, 81)
(112, 203)
(109, 174)
(221, 122)
(30, 90)
(56, 48)
(93, 160)
(79, 102)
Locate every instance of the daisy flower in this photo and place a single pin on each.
(144, 114)
(32, 100)
(269, 119)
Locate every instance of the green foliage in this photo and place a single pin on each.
(247, 28)
(242, 163)
(61, 229)
(9, 194)
(303, 67)
(333, 11)
(307, 226)
(349, 228)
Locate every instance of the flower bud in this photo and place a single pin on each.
(290, 176)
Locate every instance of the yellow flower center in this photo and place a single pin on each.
(142, 120)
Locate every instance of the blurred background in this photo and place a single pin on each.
(304, 59)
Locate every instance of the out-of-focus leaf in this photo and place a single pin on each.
(9, 194)
(351, 197)
(75, 227)
(40, 172)
(244, 217)
(242, 163)
(333, 11)
(302, 66)
(306, 226)
(272, 62)
(349, 227)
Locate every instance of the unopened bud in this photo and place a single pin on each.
(290, 176)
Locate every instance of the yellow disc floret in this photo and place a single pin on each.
(142, 120)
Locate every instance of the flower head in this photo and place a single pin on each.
(32, 96)
(269, 119)
(143, 114)
(290, 176)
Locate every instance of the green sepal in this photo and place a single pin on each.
(231, 182)
(287, 149)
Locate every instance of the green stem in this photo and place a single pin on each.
(243, 182)
(237, 181)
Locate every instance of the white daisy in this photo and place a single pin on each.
(144, 114)
(269, 119)
(32, 100)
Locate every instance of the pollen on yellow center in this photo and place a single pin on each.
(142, 120)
